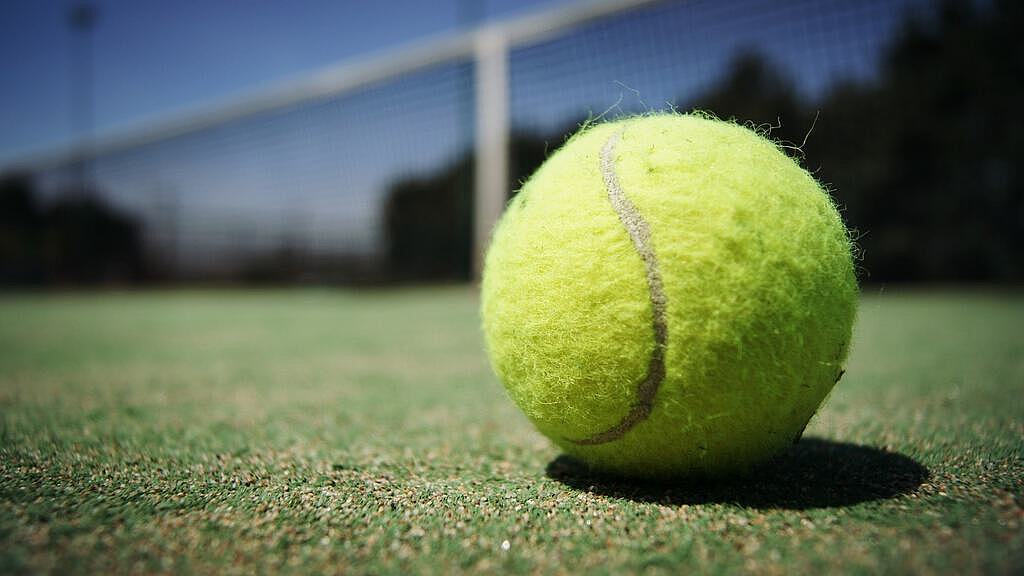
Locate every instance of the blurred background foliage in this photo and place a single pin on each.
(926, 162)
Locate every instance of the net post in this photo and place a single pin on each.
(492, 128)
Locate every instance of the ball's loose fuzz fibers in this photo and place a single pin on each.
(669, 295)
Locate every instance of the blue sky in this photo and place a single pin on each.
(154, 57)
(157, 57)
(326, 167)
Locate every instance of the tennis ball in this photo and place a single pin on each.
(669, 295)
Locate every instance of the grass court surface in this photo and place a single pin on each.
(363, 432)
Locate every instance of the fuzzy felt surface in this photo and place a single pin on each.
(755, 269)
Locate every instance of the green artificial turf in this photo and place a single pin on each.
(323, 431)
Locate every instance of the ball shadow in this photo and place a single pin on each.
(814, 473)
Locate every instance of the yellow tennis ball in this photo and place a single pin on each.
(669, 295)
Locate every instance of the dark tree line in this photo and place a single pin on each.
(78, 239)
(926, 163)
(429, 220)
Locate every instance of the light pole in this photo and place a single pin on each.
(82, 18)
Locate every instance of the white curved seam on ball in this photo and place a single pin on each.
(640, 234)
